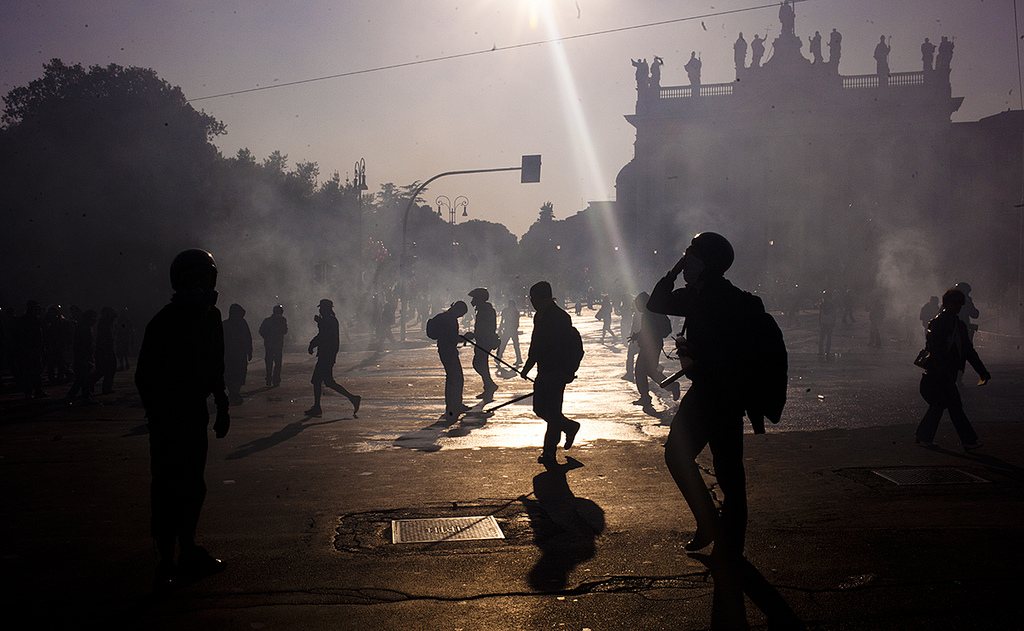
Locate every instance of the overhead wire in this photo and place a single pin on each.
(494, 49)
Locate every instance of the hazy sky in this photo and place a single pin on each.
(564, 100)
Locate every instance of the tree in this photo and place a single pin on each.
(107, 172)
(547, 212)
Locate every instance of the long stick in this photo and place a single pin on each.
(515, 400)
(494, 356)
(676, 376)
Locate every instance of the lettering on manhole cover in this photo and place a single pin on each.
(932, 475)
(444, 529)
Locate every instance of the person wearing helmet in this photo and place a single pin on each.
(273, 329)
(180, 364)
(485, 334)
(327, 342)
(716, 345)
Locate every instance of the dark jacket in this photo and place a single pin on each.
(181, 363)
(950, 347)
(549, 342)
(718, 325)
(485, 326)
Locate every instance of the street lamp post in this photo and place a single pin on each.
(453, 207)
(529, 173)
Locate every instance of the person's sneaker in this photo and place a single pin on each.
(701, 539)
(356, 400)
(548, 460)
(570, 434)
(927, 443)
(972, 446)
(314, 411)
(643, 401)
(198, 563)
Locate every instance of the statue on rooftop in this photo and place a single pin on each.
(816, 48)
(945, 54)
(656, 72)
(882, 61)
(692, 69)
(739, 54)
(756, 51)
(787, 15)
(642, 80)
(835, 48)
(927, 54)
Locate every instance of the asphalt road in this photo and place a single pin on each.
(301, 508)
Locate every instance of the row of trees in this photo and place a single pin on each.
(107, 172)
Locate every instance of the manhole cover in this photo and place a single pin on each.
(906, 477)
(444, 529)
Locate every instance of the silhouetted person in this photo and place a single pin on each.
(272, 330)
(882, 61)
(929, 311)
(656, 72)
(642, 79)
(30, 349)
(106, 356)
(692, 69)
(631, 342)
(54, 326)
(739, 54)
(551, 352)
(876, 316)
(237, 352)
(835, 48)
(950, 348)
(485, 335)
(327, 344)
(124, 340)
(927, 56)
(945, 55)
(509, 331)
(815, 48)
(756, 51)
(84, 352)
(969, 311)
(180, 364)
(604, 314)
(716, 346)
(650, 339)
(787, 15)
(826, 324)
(444, 327)
(848, 307)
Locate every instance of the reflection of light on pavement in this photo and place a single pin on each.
(599, 399)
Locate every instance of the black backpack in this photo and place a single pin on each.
(433, 324)
(573, 350)
(769, 376)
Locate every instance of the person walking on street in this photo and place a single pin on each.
(180, 364)
(715, 351)
(83, 350)
(485, 335)
(654, 328)
(237, 352)
(272, 330)
(510, 331)
(327, 343)
(949, 346)
(444, 327)
(556, 350)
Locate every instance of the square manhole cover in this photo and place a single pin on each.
(444, 529)
(931, 475)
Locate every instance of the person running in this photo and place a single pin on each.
(510, 331)
(327, 343)
(654, 328)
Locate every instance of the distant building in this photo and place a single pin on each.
(815, 176)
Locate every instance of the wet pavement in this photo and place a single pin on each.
(301, 508)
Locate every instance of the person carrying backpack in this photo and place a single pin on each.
(654, 328)
(723, 324)
(556, 349)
